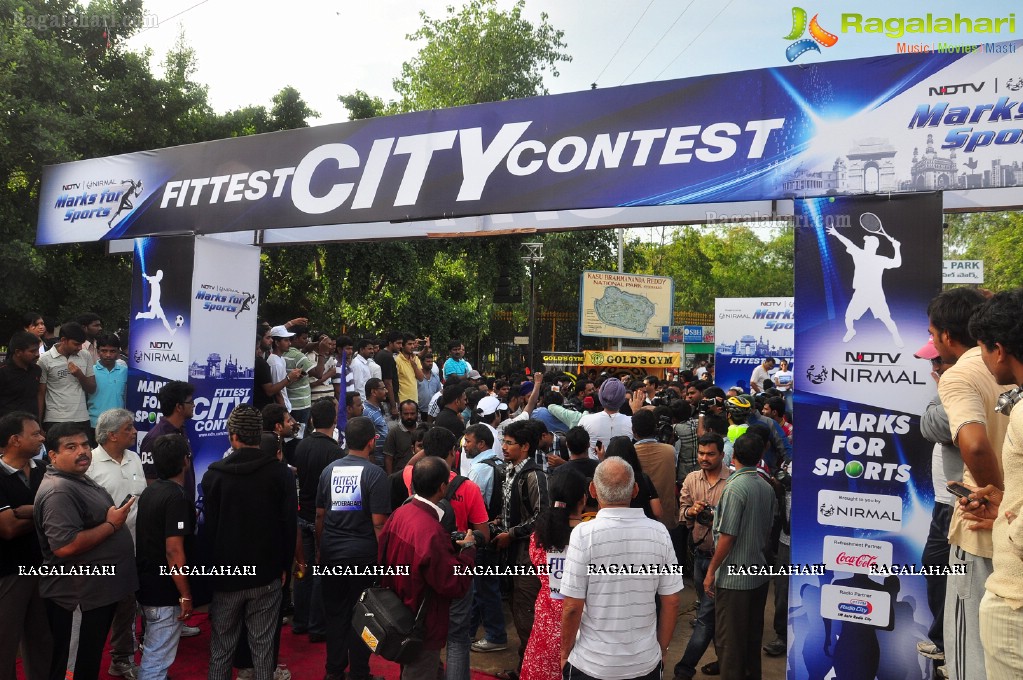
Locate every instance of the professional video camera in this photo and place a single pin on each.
(665, 430)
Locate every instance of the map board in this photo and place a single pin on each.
(617, 305)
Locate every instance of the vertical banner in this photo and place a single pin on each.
(158, 323)
(225, 287)
(193, 318)
(748, 331)
(866, 269)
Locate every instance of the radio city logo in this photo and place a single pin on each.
(856, 606)
(859, 510)
(803, 45)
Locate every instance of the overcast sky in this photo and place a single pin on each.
(248, 51)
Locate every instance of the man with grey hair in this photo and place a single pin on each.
(120, 472)
(616, 565)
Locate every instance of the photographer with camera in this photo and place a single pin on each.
(701, 492)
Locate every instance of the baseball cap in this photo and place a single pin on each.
(928, 351)
(701, 371)
(488, 405)
(280, 332)
(473, 375)
(525, 388)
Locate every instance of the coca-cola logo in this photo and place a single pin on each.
(864, 561)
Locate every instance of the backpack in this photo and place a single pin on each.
(496, 504)
(448, 520)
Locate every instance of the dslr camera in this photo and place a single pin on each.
(461, 535)
(705, 516)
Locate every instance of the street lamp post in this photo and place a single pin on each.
(534, 254)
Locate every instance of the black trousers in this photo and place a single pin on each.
(344, 646)
(91, 638)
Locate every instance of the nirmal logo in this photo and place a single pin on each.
(818, 36)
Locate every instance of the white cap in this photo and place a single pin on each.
(701, 371)
(474, 375)
(280, 332)
(488, 405)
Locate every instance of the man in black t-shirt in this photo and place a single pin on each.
(314, 453)
(352, 503)
(24, 614)
(452, 403)
(19, 376)
(164, 527)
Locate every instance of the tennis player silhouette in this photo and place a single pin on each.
(868, 291)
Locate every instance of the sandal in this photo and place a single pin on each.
(712, 668)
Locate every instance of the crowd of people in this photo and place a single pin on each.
(457, 490)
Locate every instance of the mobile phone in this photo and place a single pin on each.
(126, 499)
(961, 491)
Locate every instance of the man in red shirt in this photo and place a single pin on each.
(414, 537)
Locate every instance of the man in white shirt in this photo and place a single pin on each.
(610, 628)
(120, 472)
(360, 365)
(760, 374)
(609, 422)
(281, 338)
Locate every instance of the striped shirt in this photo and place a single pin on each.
(618, 631)
(746, 511)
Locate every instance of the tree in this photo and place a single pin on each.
(361, 105)
(478, 54)
(994, 237)
(290, 111)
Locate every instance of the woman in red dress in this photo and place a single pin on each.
(547, 548)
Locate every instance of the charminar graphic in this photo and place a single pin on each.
(155, 308)
(868, 292)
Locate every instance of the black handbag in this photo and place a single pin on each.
(387, 626)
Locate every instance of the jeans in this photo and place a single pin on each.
(160, 647)
(309, 614)
(781, 592)
(486, 605)
(458, 638)
(703, 631)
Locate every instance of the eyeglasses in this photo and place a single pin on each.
(510, 442)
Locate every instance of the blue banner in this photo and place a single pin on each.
(862, 496)
(863, 126)
(748, 330)
(194, 320)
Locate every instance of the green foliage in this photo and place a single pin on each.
(70, 93)
(994, 237)
(478, 54)
(708, 263)
(361, 105)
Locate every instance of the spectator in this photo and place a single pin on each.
(375, 408)
(352, 504)
(93, 327)
(164, 528)
(248, 489)
(742, 528)
(79, 527)
(67, 377)
(23, 626)
(452, 403)
(389, 371)
(610, 628)
(314, 454)
(456, 365)
(34, 324)
(609, 422)
(177, 407)
(701, 491)
(646, 498)
(525, 494)
(111, 378)
(398, 443)
(19, 376)
(414, 536)
(361, 364)
(547, 548)
(428, 386)
(119, 471)
(658, 461)
(280, 338)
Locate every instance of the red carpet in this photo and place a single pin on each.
(303, 659)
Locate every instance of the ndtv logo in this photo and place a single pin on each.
(953, 89)
(872, 358)
(161, 344)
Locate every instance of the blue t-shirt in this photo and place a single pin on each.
(350, 492)
(455, 367)
(110, 390)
